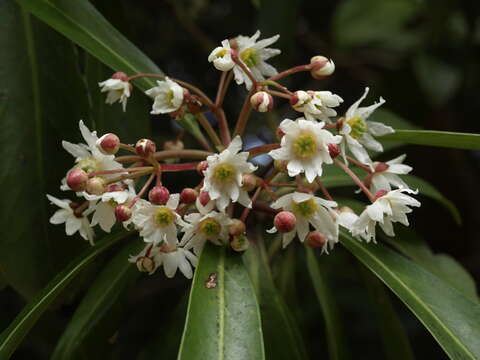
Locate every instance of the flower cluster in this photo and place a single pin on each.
(128, 189)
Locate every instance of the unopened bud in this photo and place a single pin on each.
(380, 166)
(280, 165)
(237, 227)
(316, 239)
(77, 179)
(173, 145)
(261, 101)
(321, 67)
(249, 182)
(202, 166)
(108, 144)
(333, 150)
(285, 221)
(145, 264)
(145, 147)
(96, 186)
(123, 213)
(120, 76)
(159, 195)
(299, 98)
(239, 243)
(188, 196)
(380, 193)
(204, 198)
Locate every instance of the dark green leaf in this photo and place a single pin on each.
(436, 138)
(11, 337)
(333, 324)
(451, 318)
(223, 319)
(105, 292)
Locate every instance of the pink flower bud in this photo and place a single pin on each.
(123, 213)
(380, 193)
(188, 196)
(145, 147)
(249, 182)
(201, 167)
(237, 227)
(285, 221)
(204, 198)
(261, 101)
(77, 179)
(299, 98)
(316, 239)
(380, 166)
(321, 67)
(333, 150)
(173, 145)
(108, 144)
(120, 76)
(145, 264)
(96, 185)
(159, 195)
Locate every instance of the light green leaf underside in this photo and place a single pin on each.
(447, 139)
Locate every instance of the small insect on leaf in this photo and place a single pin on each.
(211, 283)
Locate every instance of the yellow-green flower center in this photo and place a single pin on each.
(89, 165)
(221, 53)
(169, 97)
(224, 173)
(305, 146)
(249, 57)
(358, 125)
(164, 216)
(306, 208)
(210, 227)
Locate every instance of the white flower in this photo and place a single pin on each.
(224, 175)
(221, 57)
(309, 210)
(200, 228)
(73, 223)
(305, 147)
(167, 95)
(317, 105)
(88, 157)
(382, 180)
(253, 54)
(117, 90)
(357, 131)
(387, 209)
(158, 223)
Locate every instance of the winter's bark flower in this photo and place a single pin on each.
(117, 90)
(316, 105)
(386, 177)
(167, 96)
(222, 57)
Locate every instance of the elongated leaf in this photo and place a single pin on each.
(436, 138)
(104, 293)
(335, 335)
(450, 317)
(394, 337)
(11, 337)
(223, 319)
(277, 320)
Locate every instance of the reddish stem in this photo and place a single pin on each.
(262, 149)
(324, 190)
(355, 179)
(290, 71)
(118, 171)
(179, 167)
(143, 190)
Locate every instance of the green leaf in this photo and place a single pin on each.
(32, 124)
(450, 317)
(335, 334)
(223, 319)
(104, 293)
(394, 337)
(277, 320)
(11, 337)
(436, 138)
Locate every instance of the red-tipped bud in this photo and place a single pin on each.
(96, 186)
(279, 133)
(280, 165)
(77, 179)
(145, 264)
(159, 195)
(202, 166)
(115, 187)
(237, 227)
(239, 243)
(380, 193)
(120, 76)
(261, 101)
(249, 182)
(380, 166)
(299, 98)
(321, 67)
(333, 150)
(285, 221)
(108, 144)
(173, 145)
(316, 239)
(204, 198)
(123, 213)
(188, 196)
(145, 147)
